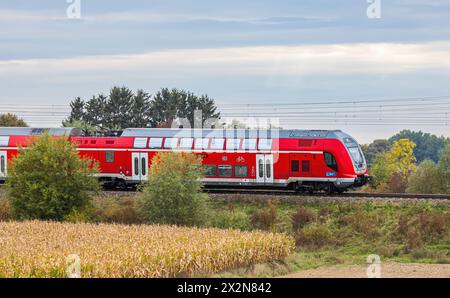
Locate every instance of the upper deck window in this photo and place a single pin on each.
(201, 143)
(249, 144)
(186, 143)
(233, 144)
(4, 141)
(217, 144)
(140, 142)
(265, 144)
(155, 143)
(171, 143)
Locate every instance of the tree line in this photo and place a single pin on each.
(427, 146)
(398, 170)
(123, 108)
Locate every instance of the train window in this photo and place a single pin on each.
(217, 144)
(4, 141)
(240, 171)
(265, 144)
(249, 144)
(140, 142)
(2, 164)
(233, 144)
(295, 166)
(144, 166)
(186, 143)
(136, 166)
(349, 142)
(305, 166)
(268, 168)
(109, 156)
(261, 168)
(171, 143)
(155, 143)
(201, 143)
(210, 170)
(225, 171)
(330, 161)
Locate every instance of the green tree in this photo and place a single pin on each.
(11, 120)
(168, 105)
(428, 146)
(165, 107)
(426, 178)
(444, 166)
(96, 113)
(122, 109)
(77, 110)
(141, 110)
(373, 149)
(173, 193)
(87, 128)
(401, 157)
(380, 170)
(119, 107)
(48, 180)
(191, 103)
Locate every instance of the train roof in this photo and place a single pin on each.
(33, 131)
(233, 133)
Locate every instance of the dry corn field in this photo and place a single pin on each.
(40, 249)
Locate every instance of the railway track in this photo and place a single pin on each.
(290, 193)
(282, 192)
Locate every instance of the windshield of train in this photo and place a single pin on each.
(354, 150)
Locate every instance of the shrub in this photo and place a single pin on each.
(5, 209)
(266, 217)
(444, 166)
(421, 228)
(48, 180)
(231, 219)
(362, 222)
(173, 194)
(302, 217)
(397, 183)
(427, 178)
(314, 236)
(380, 170)
(116, 210)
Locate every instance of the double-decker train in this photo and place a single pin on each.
(304, 160)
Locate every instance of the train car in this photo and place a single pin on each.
(305, 160)
(12, 138)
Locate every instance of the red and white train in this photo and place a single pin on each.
(310, 160)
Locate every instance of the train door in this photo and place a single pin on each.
(264, 168)
(139, 166)
(3, 164)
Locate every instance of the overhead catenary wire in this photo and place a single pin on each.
(430, 111)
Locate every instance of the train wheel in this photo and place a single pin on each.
(120, 184)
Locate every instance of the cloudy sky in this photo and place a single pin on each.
(238, 52)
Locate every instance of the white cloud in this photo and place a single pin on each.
(373, 58)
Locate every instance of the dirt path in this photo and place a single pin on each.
(387, 270)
